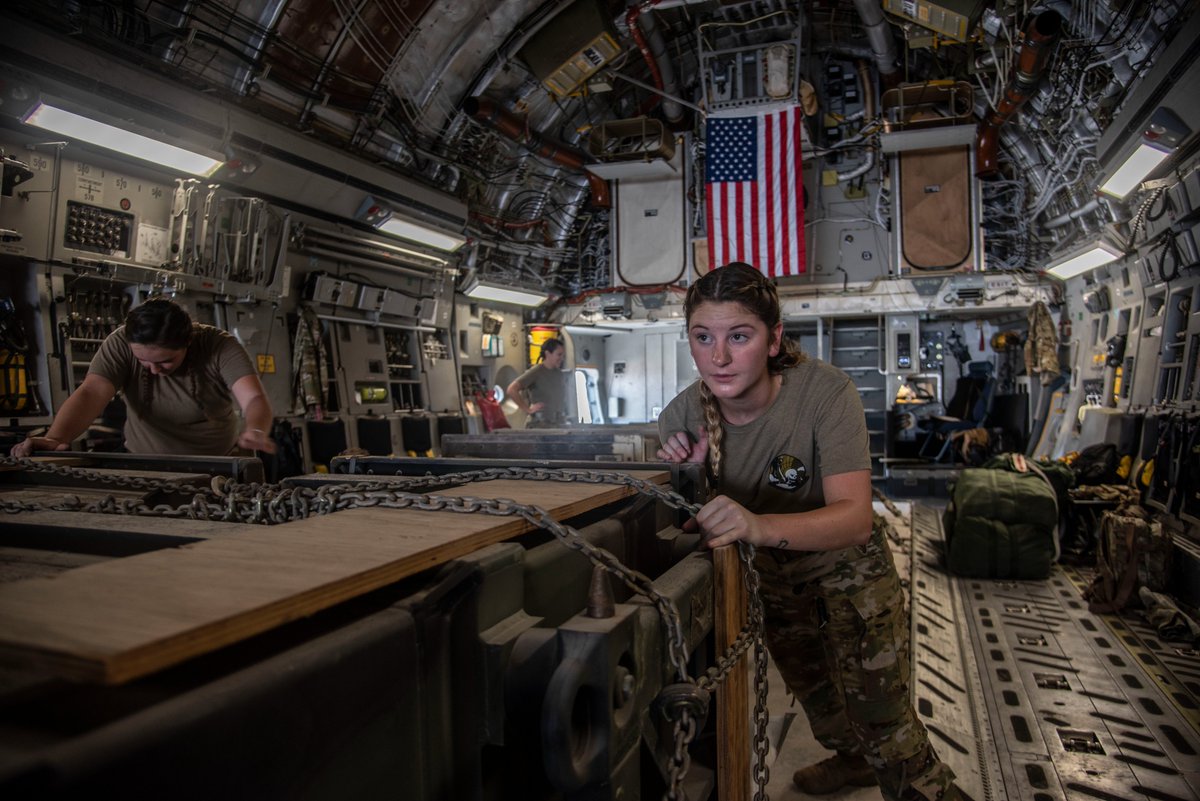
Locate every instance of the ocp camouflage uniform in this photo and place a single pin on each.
(1041, 346)
(840, 641)
(835, 621)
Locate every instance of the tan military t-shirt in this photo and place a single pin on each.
(775, 464)
(191, 411)
(554, 388)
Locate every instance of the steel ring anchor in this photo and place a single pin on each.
(576, 727)
(674, 699)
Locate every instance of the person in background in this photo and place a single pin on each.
(786, 445)
(179, 379)
(544, 391)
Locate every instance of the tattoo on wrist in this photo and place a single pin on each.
(782, 544)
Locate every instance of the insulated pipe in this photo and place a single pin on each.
(1025, 153)
(489, 113)
(1073, 214)
(631, 21)
(879, 34)
(1040, 38)
(868, 95)
(672, 110)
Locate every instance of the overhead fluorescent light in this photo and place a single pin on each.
(639, 325)
(415, 232)
(1082, 259)
(86, 129)
(1163, 134)
(1141, 162)
(488, 290)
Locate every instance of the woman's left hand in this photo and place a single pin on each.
(723, 521)
(254, 440)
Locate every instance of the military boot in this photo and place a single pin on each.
(834, 773)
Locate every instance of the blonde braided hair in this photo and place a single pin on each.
(739, 283)
(716, 432)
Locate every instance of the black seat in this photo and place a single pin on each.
(968, 408)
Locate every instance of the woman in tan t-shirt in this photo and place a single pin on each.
(785, 441)
(179, 379)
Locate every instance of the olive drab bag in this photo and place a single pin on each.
(1002, 523)
(1132, 552)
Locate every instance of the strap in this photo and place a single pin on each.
(1129, 574)
(1111, 596)
(1053, 494)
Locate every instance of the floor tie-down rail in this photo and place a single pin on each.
(1031, 697)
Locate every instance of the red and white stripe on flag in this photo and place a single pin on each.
(754, 191)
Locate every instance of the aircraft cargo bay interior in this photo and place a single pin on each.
(597, 400)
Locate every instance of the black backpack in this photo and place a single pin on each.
(1097, 464)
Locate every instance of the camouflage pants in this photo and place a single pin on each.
(839, 636)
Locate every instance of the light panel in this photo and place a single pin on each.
(486, 290)
(1140, 163)
(416, 232)
(85, 129)
(1081, 260)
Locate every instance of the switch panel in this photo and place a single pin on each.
(97, 230)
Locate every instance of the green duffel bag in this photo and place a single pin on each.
(1001, 524)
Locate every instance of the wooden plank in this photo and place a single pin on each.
(17, 564)
(733, 709)
(50, 521)
(159, 475)
(49, 496)
(103, 473)
(126, 618)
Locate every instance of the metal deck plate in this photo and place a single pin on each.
(1028, 696)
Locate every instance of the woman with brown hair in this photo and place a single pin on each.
(179, 380)
(785, 441)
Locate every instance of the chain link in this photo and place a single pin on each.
(274, 504)
(88, 474)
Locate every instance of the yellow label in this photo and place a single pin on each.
(829, 177)
(266, 363)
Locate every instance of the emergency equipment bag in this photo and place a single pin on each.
(1133, 551)
(1002, 524)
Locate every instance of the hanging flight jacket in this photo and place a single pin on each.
(309, 365)
(1041, 346)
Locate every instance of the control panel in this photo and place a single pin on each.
(97, 230)
(903, 332)
(933, 350)
(903, 350)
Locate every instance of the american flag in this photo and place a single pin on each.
(755, 192)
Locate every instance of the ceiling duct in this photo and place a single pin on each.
(290, 168)
(1041, 36)
(487, 111)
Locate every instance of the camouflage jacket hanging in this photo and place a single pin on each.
(308, 365)
(1041, 346)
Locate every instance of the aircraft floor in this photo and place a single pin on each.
(1026, 694)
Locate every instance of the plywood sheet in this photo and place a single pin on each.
(125, 618)
(85, 523)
